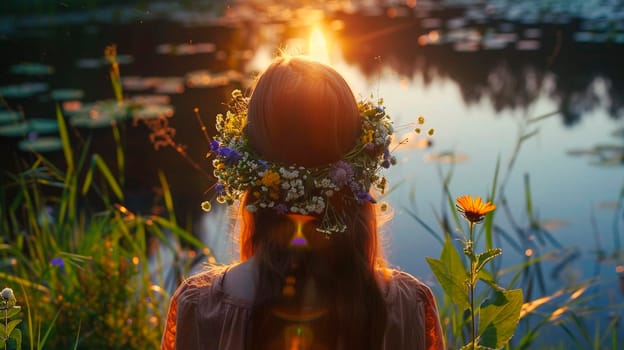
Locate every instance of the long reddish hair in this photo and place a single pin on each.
(303, 112)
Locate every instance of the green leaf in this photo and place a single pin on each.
(486, 256)
(108, 175)
(498, 318)
(67, 150)
(451, 274)
(167, 196)
(48, 331)
(486, 276)
(88, 178)
(11, 326)
(489, 219)
(17, 337)
(13, 311)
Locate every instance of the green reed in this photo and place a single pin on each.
(568, 307)
(90, 275)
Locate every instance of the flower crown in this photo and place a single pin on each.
(289, 188)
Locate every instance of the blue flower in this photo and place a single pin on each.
(263, 164)
(58, 262)
(229, 155)
(219, 188)
(214, 145)
(386, 154)
(364, 196)
(341, 173)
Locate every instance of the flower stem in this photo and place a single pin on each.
(472, 289)
(5, 336)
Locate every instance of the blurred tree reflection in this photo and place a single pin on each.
(579, 77)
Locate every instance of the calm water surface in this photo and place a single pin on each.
(477, 80)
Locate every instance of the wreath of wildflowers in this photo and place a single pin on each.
(296, 189)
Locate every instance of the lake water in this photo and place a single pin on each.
(477, 72)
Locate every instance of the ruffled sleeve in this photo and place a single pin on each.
(413, 321)
(181, 329)
(202, 316)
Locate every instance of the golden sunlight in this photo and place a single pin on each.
(317, 46)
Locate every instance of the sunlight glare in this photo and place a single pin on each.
(317, 46)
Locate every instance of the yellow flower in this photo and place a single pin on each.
(473, 209)
(368, 137)
(270, 179)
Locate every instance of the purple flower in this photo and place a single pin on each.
(229, 155)
(218, 188)
(386, 153)
(385, 163)
(58, 262)
(363, 196)
(341, 173)
(281, 209)
(214, 145)
(263, 164)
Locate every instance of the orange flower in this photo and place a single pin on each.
(473, 209)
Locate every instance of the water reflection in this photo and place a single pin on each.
(580, 77)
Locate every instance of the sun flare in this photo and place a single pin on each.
(317, 46)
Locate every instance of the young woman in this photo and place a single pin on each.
(302, 158)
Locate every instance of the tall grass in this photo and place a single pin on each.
(568, 308)
(86, 265)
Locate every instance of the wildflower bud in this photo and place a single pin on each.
(206, 206)
(421, 120)
(430, 132)
(6, 294)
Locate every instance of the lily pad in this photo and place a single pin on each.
(42, 125)
(135, 83)
(172, 85)
(124, 59)
(528, 45)
(153, 112)
(14, 130)
(89, 63)
(8, 116)
(150, 99)
(41, 144)
(66, 94)
(84, 121)
(23, 90)
(99, 114)
(31, 68)
(186, 49)
(206, 79)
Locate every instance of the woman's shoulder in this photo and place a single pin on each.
(231, 284)
(195, 285)
(403, 286)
